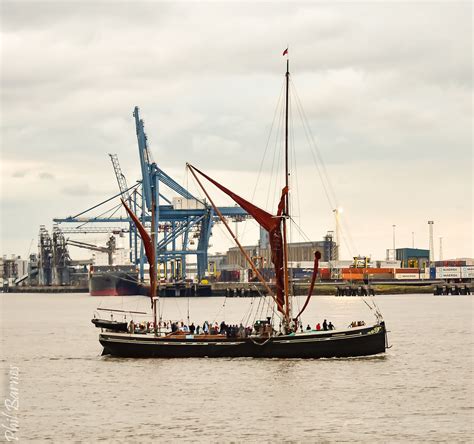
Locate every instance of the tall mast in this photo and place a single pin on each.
(286, 210)
(286, 121)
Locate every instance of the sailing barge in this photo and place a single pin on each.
(358, 341)
(265, 341)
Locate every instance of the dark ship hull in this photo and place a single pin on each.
(110, 324)
(119, 280)
(335, 344)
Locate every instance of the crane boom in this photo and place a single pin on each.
(121, 180)
(109, 249)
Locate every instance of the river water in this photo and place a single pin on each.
(421, 390)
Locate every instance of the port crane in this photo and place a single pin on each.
(177, 222)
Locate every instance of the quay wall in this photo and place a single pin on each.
(47, 289)
(239, 289)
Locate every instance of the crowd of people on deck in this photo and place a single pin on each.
(229, 330)
(171, 327)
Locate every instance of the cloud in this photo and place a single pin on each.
(46, 176)
(76, 190)
(381, 84)
(19, 174)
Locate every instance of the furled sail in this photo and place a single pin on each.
(271, 223)
(317, 256)
(147, 243)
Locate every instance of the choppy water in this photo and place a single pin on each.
(421, 390)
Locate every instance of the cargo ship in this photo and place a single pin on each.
(114, 280)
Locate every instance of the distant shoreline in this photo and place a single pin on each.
(234, 289)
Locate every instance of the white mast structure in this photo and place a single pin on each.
(430, 224)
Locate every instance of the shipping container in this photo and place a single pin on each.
(407, 276)
(352, 276)
(448, 272)
(407, 270)
(460, 262)
(301, 273)
(325, 273)
(389, 264)
(379, 276)
(379, 270)
(467, 272)
(181, 203)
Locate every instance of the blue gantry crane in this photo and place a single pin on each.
(177, 222)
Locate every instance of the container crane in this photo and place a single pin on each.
(152, 176)
(175, 223)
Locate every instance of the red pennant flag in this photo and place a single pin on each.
(285, 52)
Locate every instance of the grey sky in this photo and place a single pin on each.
(387, 88)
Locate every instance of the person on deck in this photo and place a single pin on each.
(223, 328)
(325, 325)
(330, 326)
(192, 328)
(308, 327)
(318, 326)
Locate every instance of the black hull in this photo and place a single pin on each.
(114, 284)
(110, 325)
(338, 344)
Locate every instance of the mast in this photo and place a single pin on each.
(287, 75)
(154, 275)
(286, 210)
(154, 241)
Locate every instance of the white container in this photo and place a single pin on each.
(180, 203)
(406, 276)
(448, 272)
(389, 264)
(467, 272)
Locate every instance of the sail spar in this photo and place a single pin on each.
(147, 243)
(269, 222)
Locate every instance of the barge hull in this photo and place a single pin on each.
(349, 343)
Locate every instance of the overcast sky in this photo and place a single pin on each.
(386, 87)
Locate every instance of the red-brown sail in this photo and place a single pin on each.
(270, 223)
(317, 256)
(147, 243)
